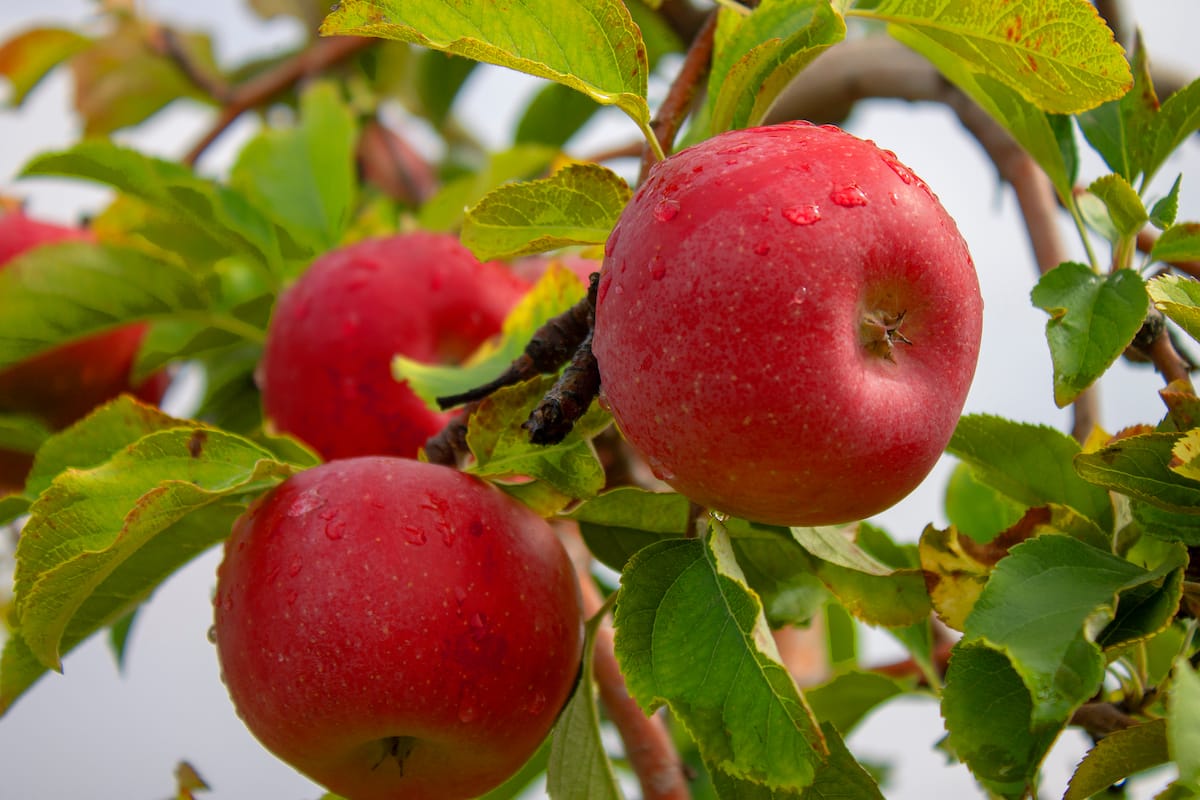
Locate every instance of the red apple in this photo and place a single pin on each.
(62, 385)
(531, 268)
(787, 325)
(394, 628)
(326, 371)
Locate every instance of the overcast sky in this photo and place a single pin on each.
(97, 733)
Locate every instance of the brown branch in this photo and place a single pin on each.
(683, 91)
(262, 88)
(449, 445)
(1100, 719)
(648, 744)
(1172, 366)
(168, 43)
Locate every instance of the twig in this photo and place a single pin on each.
(449, 444)
(1100, 719)
(167, 42)
(569, 397)
(1167, 360)
(678, 102)
(648, 744)
(320, 55)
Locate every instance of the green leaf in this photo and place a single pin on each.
(60, 292)
(578, 204)
(579, 768)
(88, 534)
(29, 56)
(840, 775)
(1163, 133)
(1141, 466)
(1113, 128)
(778, 571)
(1178, 243)
(1059, 55)
(874, 592)
(118, 636)
(1124, 207)
(555, 292)
(1093, 318)
(987, 709)
(593, 47)
(765, 52)
(1183, 735)
(1032, 464)
(1118, 756)
(304, 176)
(223, 214)
(683, 603)
(22, 432)
(97, 438)
(1179, 299)
(555, 114)
(1045, 606)
(446, 209)
(1164, 210)
(846, 699)
(976, 509)
(618, 523)
(502, 449)
(1046, 137)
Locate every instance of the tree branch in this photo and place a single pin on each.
(262, 88)
(648, 744)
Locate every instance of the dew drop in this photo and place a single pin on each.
(414, 535)
(803, 215)
(295, 567)
(666, 210)
(478, 625)
(762, 249)
(658, 267)
(904, 172)
(536, 704)
(660, 470)
(305, 502)
(291, 598)
(602, 399)
(799, 296)
(734, 149)
(849, 196)
(466, 712)
(212, 633)
(335, 529)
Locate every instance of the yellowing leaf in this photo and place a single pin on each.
(954, 576)
(27, 57)
(593, 46)
(1059, 55)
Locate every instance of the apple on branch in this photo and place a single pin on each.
(394, 628)
(326, 370)
(62, 385)
(787, 325)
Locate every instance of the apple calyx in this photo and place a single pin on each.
(398, 749)
(880, 330)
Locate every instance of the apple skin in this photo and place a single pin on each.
(326, 373)
(394, 628)
(741, 325)
(63, 384)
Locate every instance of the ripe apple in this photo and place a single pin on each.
(63, 384)
(394, 628)
(326, 370)
(787, 325)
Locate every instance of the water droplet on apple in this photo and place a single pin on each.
(536, 703)
(734, 149)
(610, 244)
(799, 296)
(660, 470)
(892, 161)
(335, 529)
(478, 625)
(305, 502)
(212, 633)
(291, 598)
(849, 196)
(466, 712)
(295, 567)
(602, 399)
(414, 535)
(460, 595)
(619, 290)
(658, 267)
(762, 248)
(803, 215)
(666, 210)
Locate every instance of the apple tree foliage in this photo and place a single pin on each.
(1067, 572)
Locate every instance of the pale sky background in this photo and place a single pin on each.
(96, 732)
